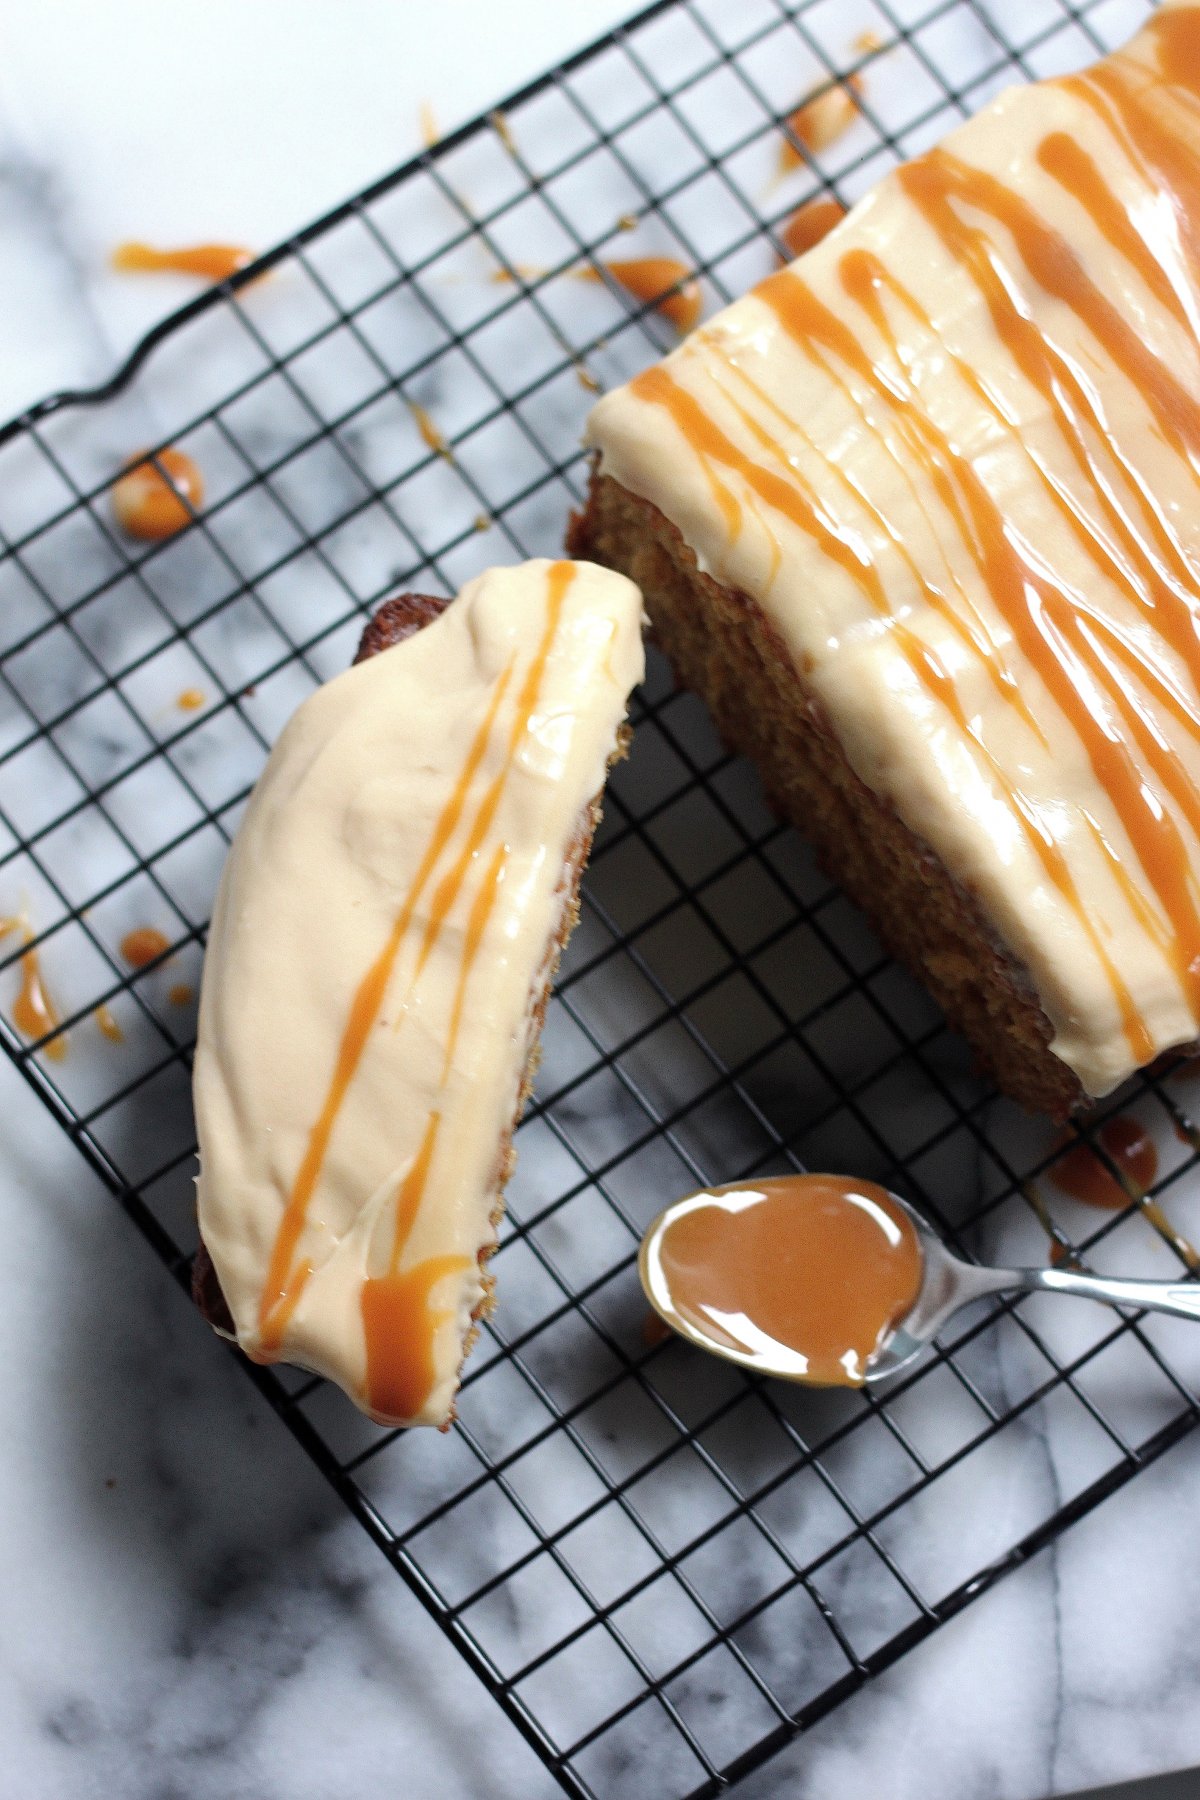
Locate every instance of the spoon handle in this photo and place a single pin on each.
(1179, 1298)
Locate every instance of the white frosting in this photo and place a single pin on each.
(326, 859)
(828, 431)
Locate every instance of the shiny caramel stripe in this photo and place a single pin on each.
(822, 329)
(930, 671)
(1056, 645)
(1127, 98)
(364, 1010)
(1141, 574)
(277, 1304)
(481, 911)
(1055, 641)
(1077, 174)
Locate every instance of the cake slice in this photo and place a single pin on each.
(378, 965)
(920, 517)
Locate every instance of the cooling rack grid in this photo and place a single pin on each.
(660, 1567)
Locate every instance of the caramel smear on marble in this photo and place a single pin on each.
(659, 280)
(34, 1012)
(155, 499)
(519, 272)
(212, 262)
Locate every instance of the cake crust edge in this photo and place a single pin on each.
(723, 647)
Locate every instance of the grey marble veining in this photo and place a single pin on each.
(211, 1622)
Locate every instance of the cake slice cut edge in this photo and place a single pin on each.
(379, 1277)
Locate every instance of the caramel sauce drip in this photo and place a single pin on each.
(34, 1012)
(818, 1267)
(213, 262)
(1131, 1149)
(429, 125)
(810, 223)
(1084, 1176)
(661, 281)
(108, 1025)
(143, 945)
(397, 1319)
(156, 499)
(820, 121)
(190, 700)
(182, 994)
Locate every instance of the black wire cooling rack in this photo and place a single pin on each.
(660, 1567)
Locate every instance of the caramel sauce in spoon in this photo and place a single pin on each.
(803, 1274)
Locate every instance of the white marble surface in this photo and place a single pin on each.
(186, 1610)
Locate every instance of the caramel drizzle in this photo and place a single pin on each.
(791, 496)
(1090, 667)
(286, 1278)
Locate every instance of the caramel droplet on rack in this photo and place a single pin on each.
(190, 700)
(144, 945)
(805, 1275)
(503, 130)
(108, 1025)
(429, 126)
(156, 499)
(1084, 1176)
(659, 280)
(34, 1012)
(430, 435)
(214, 262)
(820, 122)
(182, 994)
(810, 223)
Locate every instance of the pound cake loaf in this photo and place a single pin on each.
(386, 930)
(919, 516)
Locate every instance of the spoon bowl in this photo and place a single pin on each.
(946, 1284)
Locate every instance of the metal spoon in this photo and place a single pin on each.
(947, 1284)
